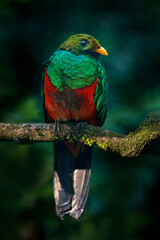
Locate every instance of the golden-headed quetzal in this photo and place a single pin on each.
(74, 89)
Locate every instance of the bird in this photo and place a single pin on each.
(75, 88)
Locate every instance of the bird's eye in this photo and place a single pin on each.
(83, 42)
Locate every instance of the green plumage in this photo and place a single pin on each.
(101, 95)
(72, 71)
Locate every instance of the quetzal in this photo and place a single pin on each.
(74, 89)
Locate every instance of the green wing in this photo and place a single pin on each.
(101, 95)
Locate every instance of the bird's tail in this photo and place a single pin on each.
(72, 169)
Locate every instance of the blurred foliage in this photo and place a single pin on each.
(124, 195)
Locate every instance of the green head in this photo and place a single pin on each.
(83, 44)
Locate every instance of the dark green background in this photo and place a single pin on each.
(124, 201)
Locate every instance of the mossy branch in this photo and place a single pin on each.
(129, 145)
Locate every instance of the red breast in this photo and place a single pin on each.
(70, 104)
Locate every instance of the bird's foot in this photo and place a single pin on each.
(81, 125)
(57, 127)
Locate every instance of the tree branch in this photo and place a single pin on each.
(130, 145)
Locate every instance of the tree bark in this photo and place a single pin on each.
(126, 145)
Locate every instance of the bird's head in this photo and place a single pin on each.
(83, 44)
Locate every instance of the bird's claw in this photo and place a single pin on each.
(81, 125)
(57, 127)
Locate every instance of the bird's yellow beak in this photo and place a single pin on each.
(101, 51)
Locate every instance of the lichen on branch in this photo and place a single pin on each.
(126, 145)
